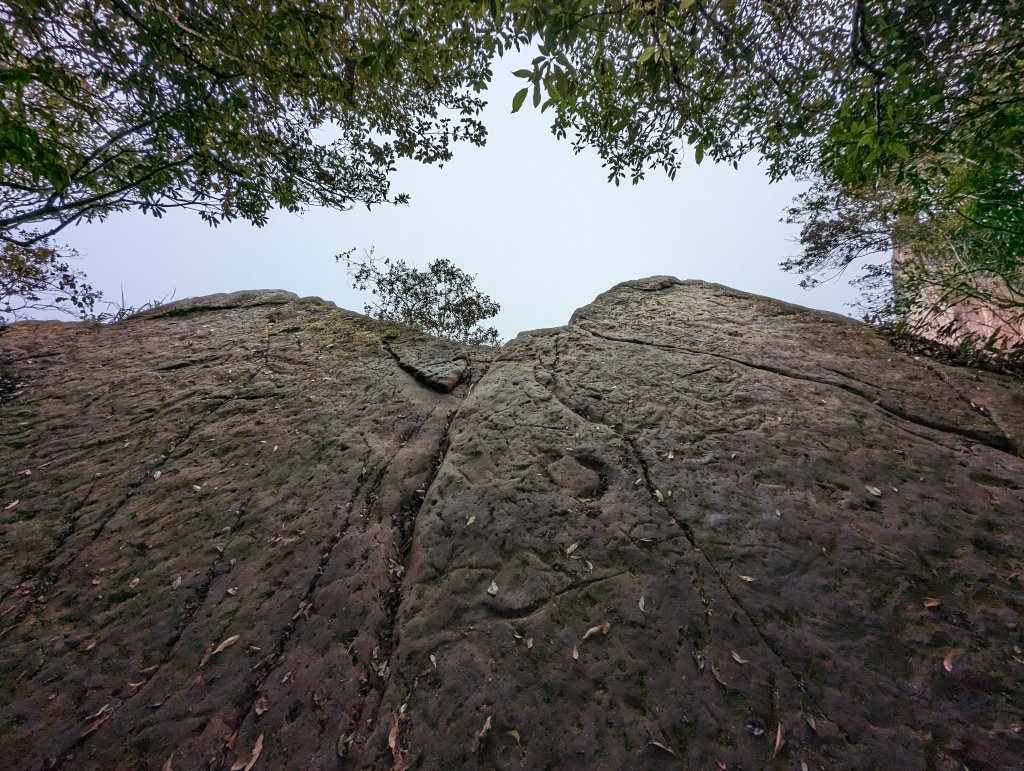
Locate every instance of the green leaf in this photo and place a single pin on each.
(519, 98)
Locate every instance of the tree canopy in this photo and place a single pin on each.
(442, 300)
(911, 111)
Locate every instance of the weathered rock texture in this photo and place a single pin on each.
(259, 523)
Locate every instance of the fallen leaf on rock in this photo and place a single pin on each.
(134, 582)
(589, 564)
(748, 579)
(803, 766)
(261, 705)
(659, 496)
(671, 455)
(433, 660)
(718, 676)
(873, 490)
(571, 548)
(602, 628)
(168, 764)
(754, 727)
(661, 746)
(515, 735)
(779, 740)
(196, 488)
(739, 659)
(27, 472)
(91, 645)
(156, 474)
(393, 735)
(286, 678)
(947, 662)
(233, 591)
(576, 653)
(699, 660)
(639, 481)
(471, 520)
(641, 604)
(811, 723)
(256, 750)
(493, 588)
(529, 642)
(931, 603)
(176, 583)
(12, 504)
(220, 648)
(482, 733)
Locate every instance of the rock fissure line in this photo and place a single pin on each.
(276, 657)
(188, 616)
(997, 440)
(525, 611)
(405, 524)
(691, 537)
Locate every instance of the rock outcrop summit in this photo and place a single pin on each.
(694, 528)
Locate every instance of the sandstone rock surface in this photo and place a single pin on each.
(694, 528)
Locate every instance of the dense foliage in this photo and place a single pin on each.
(442, 300)
(908, 115)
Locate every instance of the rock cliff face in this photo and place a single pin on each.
(693, 528)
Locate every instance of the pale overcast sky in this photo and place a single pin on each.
(541, 228)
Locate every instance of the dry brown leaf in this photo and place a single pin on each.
(12, 504)
(261, 705)
(602, 628)
(156, 474)
(226, 644)
(947, 662)
(91, 645)
(811, 723)
(175, 583)
(779, 741)
(739, 659)
(642, 602)
(659, 496)
(718, 676)
(930, 602)
(169, 763)
(873, 490)
(482, 733)
(748, 579)
(220, 648)
(393, 736)
(515, 735)
(529, 642)
(661, 746)
(576, 653)
(233, 591)
(256, 750)
(134, 582)
(433, 660)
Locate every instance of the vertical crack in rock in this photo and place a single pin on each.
(405, 521)
(190, 611)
